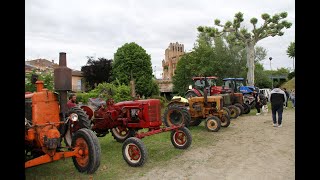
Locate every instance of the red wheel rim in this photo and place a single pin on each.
(83, 152)
(180, 138)
(133, 152)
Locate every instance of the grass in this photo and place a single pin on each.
(290, 84)
(159, 147)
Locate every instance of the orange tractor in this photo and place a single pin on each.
(48, 121)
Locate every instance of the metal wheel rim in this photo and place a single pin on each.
(180, 138)
(133, 153)
(212, 124)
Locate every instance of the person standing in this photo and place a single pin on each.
(292, 97)
(277, 99)
(287, 95)
(72, 101)
(257, 102)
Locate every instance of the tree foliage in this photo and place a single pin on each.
(47, 79)
(97, 71)
(219, 56)
(291, 50)
(132, 62)
(270, 27)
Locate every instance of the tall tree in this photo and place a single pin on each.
(131, 61)
(97, 71)
(272, 26)
(291, 52)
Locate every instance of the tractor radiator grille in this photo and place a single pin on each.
(154, 113)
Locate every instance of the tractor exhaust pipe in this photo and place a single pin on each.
(62, 82)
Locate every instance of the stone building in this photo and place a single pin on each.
(172, 56)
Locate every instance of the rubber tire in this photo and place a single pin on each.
(225, 120)
(226, 111)
(241, 108)
(190, 94)
(83, 120)
(143, 151)
(247, 108)
(187, 133)
(94, 150)
(214, 119)
(118, 138)
(195, 122)
(184, 114)
(234, 111)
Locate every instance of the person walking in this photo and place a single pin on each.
(287, 95)
(277, 99)
(257, 102)
(292, 98)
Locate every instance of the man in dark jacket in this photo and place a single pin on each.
(277, 98)
(287, 95)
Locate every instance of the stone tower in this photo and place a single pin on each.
(172, 56)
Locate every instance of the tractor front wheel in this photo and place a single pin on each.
(120, 134)
(134, 152)
(90, 151)
(225, 120)
(213, 124)
(181, 138)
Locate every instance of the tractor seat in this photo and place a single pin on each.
(97, 102)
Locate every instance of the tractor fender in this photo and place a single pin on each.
(196, 91)
(89, 110)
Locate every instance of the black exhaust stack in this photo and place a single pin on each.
(62, 82)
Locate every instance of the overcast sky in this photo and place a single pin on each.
(98, 28)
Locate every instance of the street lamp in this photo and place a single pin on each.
(270, 58)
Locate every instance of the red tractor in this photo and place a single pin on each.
(48, 121)
(125, 119)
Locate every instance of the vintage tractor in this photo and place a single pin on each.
(199, 108)
(209, 83)
(48, 121)
(125, 119)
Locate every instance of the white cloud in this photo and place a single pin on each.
(86, 28)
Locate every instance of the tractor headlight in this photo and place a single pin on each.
(74, 117)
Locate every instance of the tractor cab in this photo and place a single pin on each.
(234, 84)
(200, 83)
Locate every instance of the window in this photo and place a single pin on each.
(79, 85)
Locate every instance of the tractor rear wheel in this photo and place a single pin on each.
(241, 108)
(247, 108)
(120, 134)
(90, 151)
(190, 94)
(176, 115)
(225, 120)
(234, 111)
(134, 152)
(181, 138)
(213, 124)
(195, 122)
(83, 122)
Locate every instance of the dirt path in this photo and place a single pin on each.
(250, 148)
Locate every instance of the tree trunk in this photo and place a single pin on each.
(250, 63)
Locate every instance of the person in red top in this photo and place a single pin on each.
(72, 101)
